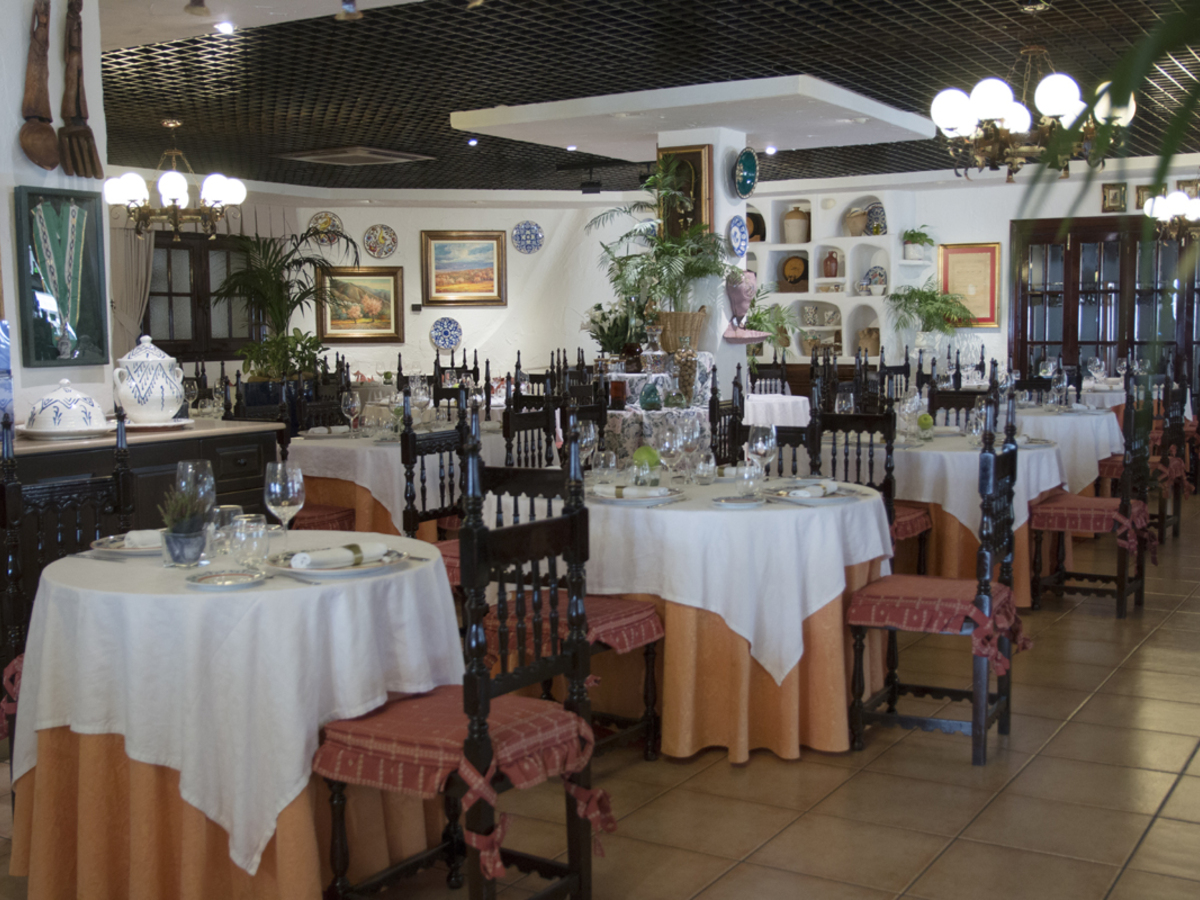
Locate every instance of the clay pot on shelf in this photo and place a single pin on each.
(795, 226)
(856, 222)
(829, 267)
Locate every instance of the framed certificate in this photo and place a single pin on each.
(973, 272)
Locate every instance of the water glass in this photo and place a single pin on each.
(692, 435)
(640, 473)
(190, 392)
(222, 530)
(283, 493)
(748, 479)
(587, 443)
(251, 541)
(670, 448)
(605, 467)
(706, 468)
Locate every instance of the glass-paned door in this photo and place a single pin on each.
(1099, 307)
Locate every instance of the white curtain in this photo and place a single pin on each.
(132, 260)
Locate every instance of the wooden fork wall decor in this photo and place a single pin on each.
(76, 143)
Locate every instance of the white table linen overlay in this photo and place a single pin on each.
(1083, 440)
(376, 467)
(777, 409)
(230, 688)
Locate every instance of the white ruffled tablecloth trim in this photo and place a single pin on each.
(230, 689)
(1083, 440)
(777, 409)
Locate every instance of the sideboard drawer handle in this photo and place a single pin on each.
(240, 461)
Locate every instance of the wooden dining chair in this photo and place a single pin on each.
(595, 412)
(955, 404)
(924, 378)
(725, 420)
(1037, 386)
(982, 609)
(769, 378)
(529, 435)
(895, 378)
(1126, 514)
(470, 743)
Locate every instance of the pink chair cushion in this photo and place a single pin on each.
(935, 605)
(11, 691)
(1113, 467)
(620, 623)
(323, 517)
(910, 522)
(1068, 512)
(449, 551)
(412, 745)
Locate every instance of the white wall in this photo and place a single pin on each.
(16, 169)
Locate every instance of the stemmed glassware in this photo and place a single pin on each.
(190, 392)
(587, 443)
(420, 394)
(1097, 367)
(196, 476)
(1122, 366)
(692, 435)
(670, 449)
(910, 409)
(351, 407)
(761, 446)
(283, 493)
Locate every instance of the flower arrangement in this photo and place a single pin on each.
(621, 322)
(183, 512)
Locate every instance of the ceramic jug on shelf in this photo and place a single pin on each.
(148, 384)
(830, 265)
(795, 226)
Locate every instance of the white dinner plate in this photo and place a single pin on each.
(282, 562)
(842, 495)
(225, 581)
(65, 434)
(115, 546)
(157, 426)
(319, 436)
(738, 502)
(672, 494)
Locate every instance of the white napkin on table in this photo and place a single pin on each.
(633, 492)
(330, 429)
(821, 489)
(143, 539)
(1082, 406)
(340, 557)
(1117, 380)
(947, 429)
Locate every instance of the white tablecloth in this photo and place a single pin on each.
(1083, 440)
(630, 428)
(1102, 399)
(230, 689)
(777, 409)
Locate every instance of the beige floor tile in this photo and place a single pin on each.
(1122, 746)
(1170, 848)
(1026, 734)
(1064, 829)
(1141, 712)
(1178, 662)
(904, 803)
(1028, 668)
(857, 852)
(949, 762)
(972, 871)
(1194, 768)
(1093, 784)
(1183, 621)
(1104, 611)
(1136, 682)
(1171, 639)
(795, 784)
(547, 800)
(1184, 802)
(876, 741)
(664, 771)
(1068, 648)
(636, 870)
(1168, 587)
(429, 884)
(1135, 885)
(536, 836)
(763, 883)
(706, 823)
(1127, 632)
(913, 674)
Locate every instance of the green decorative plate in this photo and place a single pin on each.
(745, 173)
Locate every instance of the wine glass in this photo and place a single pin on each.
(587, 443)
(421, 396)
(251, 541)
(761, 446)
(283, 493)
(692, 435)
(1122, 366)
(190, 392)
(351, 407)
(670, 449)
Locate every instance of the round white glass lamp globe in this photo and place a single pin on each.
(1151, 207)
(173, 188)
(1056, 95)
(1018, 118)
(214, 190)
(949, 108)
(136, 189)
(1075, 114)
(1192, 213)
(235, 191)
(990, 99)
(1176, 203)
(114, 192)
(1105, 112)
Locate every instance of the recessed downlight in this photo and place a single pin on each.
(472, 142)
(771, 150)
(225, 27)
(571, 147)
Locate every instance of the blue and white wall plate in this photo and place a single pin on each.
(446, 333)
(528, 237)
(876, 218)
(739, 235)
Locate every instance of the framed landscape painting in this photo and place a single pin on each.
(361, 305)
(463, 268)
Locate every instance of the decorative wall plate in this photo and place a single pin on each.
(876, 219)
(875, 275)
(745, 173)
(326, 221)
(446, 333)
(794, 270)
(528, 237)
(380, 241)
(739, 235)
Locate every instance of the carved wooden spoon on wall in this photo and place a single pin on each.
(37, 134)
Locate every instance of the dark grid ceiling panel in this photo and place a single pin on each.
(392, 79)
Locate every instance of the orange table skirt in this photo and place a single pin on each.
(714, 694)
(92, 824)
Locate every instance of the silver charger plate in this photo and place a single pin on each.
(672, 494)
(738, 502)
(225, 581)
(282, 562)
(319, 436)
(115, 546)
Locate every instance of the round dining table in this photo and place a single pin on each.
(1084, 437)
(777, 409)
(169, 731)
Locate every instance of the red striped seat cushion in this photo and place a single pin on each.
(414, 744)
(449, 551)
(323, 517)
(620, 623)
(910, 522)
(1113, 467)
(1067, 512)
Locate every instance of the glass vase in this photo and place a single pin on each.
(654, 359)
(685, 366)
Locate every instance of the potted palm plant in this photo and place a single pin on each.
(929, 312)
(659, 259)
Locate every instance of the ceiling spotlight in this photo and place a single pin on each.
(225, 27)
(771, 150)
(475, 4)
(349, 11)
(197, 8)
(591, 185)
(571, 147)
(472, 142)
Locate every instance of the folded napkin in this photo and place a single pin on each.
(822, 489)
(1022, 440)
(633, 492)
(1082, 406)
(144, 539)
(340, 557)
(1117, 380)
(947, 429)
(330, 429)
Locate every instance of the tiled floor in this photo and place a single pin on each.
(1095, 794)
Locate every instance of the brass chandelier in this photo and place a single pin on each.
(1174, 215)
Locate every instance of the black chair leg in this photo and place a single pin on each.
(893, 662)
(1035, 585)
(456, 846)
(1139, 597)
(650, 700)
(579, 842)
(923, 553)
(857, 686)
(979, 708)
(1122, 581)
(339, 848)
(548, 689)
(1004, 688)
(1177, 510)
(1060, 564)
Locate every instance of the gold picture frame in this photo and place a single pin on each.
(463, 268)
(1114, 197)
(364, 305)
(973, 272)
(1145, 192)
(1190, 186)
(697, 165)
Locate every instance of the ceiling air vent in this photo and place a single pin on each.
(354, 156)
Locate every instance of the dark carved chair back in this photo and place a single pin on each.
(769, 378)
(997, 488)
(923, 377)
(955, 403)
(895, 378)
(855, 439)
(1137, 424)
(725, 420)
(1037, 386)
(594, 412)
(433, 470)
(528, 434)
(46, 521)
(277, 412)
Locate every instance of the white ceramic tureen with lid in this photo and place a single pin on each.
(148, 384)
(65, 413)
